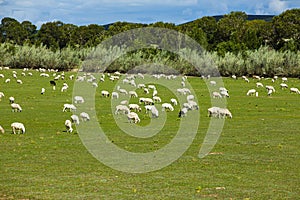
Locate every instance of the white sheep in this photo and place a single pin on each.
(154, 112)
(105, 93)
(122, 108)
(132, 116)
(283, 85)
(183, 112)
(11, 100)
(69, 107)
(84, 116)
(224, 93)
(1, 129)
(16, 107)
(146, 101)
(213, 83)
(95, 84)
(156, 99)
(141, 85)
(190, 97)
(133, 94)
(124, 102)
(75, 119)
(135, 107)
(251, 92)
(19, 81)
(152, 87)
(174, 102)
(78, 99)
(7, 80)
(43, 90)
(219, 112)
(294, 90)
(284, 79)
(64, 88)
(18, 127)
(216, 95)
(269, 87)
(114, 95)
(146, 91)
(167, 106)
(258, 84)
(1, 95)
(68, 125)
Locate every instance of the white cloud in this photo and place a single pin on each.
(277, 6)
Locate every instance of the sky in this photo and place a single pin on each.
(85, 12)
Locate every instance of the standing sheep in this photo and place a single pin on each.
(68, 125)
(1, 129)
(84, 116)
(16, 107)
(18, 127)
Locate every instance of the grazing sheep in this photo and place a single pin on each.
(53, 84)
(213, 83)
(11, 100)
(294, 90)
(78, 99)
(7, 80)
(284, 79)
(133, 117)
(141, 85)
(75, 119)
(1, 129)
(269, 87)
(69, 107)
(152, 87)
(1, 76)
(114, 95)
(224, 93)
(148, 108)
(157, 99)
(146, 91)
(124, 102)
(219, 112)
(105, 93)
(183, 112)
(95, 84)
(182, 83)
(135, 107)
(146, 101)
(251, 92)
(258, 84)
(133, 94)
(154, 112)
(270, 92)
(64, 88)
(18, 127)
(174, 102)
(283, 85)
(19, 81)
(193, 105)
(123, 91)
(84, 116)
(68, 125)
(213, 111)
(190, 97)
(154, 93)
(216, 95)
(43, 91)
(234, 77)
(167, 106)
(16, 107)
(1, 95)
(122, 108)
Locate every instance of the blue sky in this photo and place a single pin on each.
(84, 12)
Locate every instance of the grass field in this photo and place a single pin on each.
(256, 157)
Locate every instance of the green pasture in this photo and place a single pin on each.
(256, 157)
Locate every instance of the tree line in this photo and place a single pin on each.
(232, 41)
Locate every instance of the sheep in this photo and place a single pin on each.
(193, 105)
(156, 99)
(16, 107)
(7, 80)
(213, 83)
(135, 107)
(122, 91)
(251, 92)
(284, 79)
(283, 85)
(141, 85)
(11, 100)
(84, 116)
(183, 112)
(154, 93)
(190, 97)
(1, 95)
(258, 84)
(152, 87)
(270, 92)
(68, 125)
(43, 90)
(18, 127)
(174, 102)
(95, 84)
(114, 95)
(75, 119)
(224, 93)
(1, 76)
(69, 107)
(124, 102)
(122, 108)
(213, 111)
(154, 112)
(78, 99)
(64, 88)
(269, 87)
(234, 77)
(167, 106)
(146, 101)
(132, 94)
(146, 91)
(132, 116)
(182, 83)
(219, 112)
(216, 95)
(148, 108)
(1, 129)
(294, 90)
(105, 93)
(53, 84)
